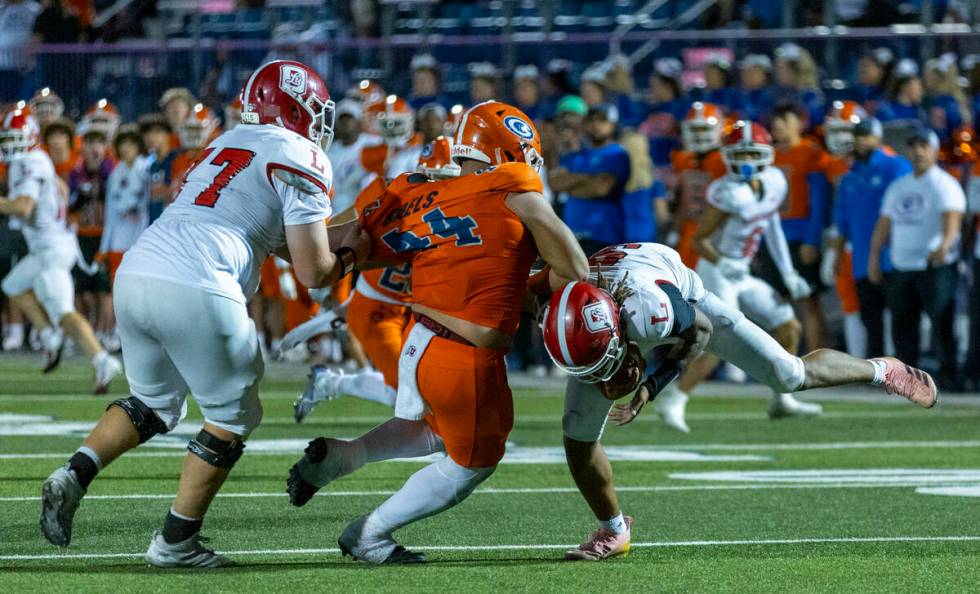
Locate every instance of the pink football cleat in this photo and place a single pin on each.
(905, 380)
(603, 544)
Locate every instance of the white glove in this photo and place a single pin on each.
(287, 286)
(732, 269)
(797, 286)
(828, 268)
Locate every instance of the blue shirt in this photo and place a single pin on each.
(598, 219)
(757, 105)
(890, 111)
(859, 197)
(944, 114)
(662, 128)
(728, 98)
(639, 216)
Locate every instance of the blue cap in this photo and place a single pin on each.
(924, 134)
(868, 127)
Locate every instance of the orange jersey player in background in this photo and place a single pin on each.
(695, 168)
(471, 241)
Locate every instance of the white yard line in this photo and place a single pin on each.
(534, 547)
(534, 490)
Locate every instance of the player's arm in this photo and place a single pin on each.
(555, 241)
(21, 206)
(883, 230)
(711, 220)
(797, 286)
(582, 185)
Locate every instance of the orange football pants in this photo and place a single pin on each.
(380, 328)
(471, 407)
(685, 244)
(846, 287)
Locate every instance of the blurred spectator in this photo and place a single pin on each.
(719, 86)
(874, 76)
(905, 100)
(176, 103)
(157, 137)
(350, 174)
(484, 82)
(527, 90)
(57, 23)
(619, 87)
(16, 23)
(805, 213)
(946, 102)
(556, 85)
(59, 142)
(592, 87)
(432, 121)
(665, 111)
(757, 99)
(570, 113)
(796, 80)
(971, 370)
(920, 219)
(595, 178)
(426, 82)
(856, 209)
(971, 69)
(644, 204)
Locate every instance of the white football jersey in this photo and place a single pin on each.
(127, 205)
(648, 312)
(351, 176)
(32, 174)
(738, 238)
(404, 160)
(232, 210)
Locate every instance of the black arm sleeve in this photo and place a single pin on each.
(683, 311)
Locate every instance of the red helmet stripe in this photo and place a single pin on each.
(562, 322)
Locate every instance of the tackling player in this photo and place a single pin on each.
(743, 208)
(40, 284)
(180, 302)
(471, 241)
(657, 306)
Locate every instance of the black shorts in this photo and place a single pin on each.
(765, 268)
(85, 283)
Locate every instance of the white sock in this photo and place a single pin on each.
(367, 384)
(15, 329)
(616, 525)
(435, 488)
(855, 336)
(92, 455)
(879, 371)
(99, 358)
(46, 333)
(397, 438)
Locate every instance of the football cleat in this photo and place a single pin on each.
(907, 381)
(671, 403)
(382, 550)
(784, 405)
(322, 385)
(53, 344)
(189, 553)
(105, 371)
(603, 544)
(60, 496)
(324, 461)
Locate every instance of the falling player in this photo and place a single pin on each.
(471, 241)
(40, 284)
(180, 299)
(657, 306)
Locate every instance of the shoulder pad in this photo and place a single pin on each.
(302, 165)
(513, 178)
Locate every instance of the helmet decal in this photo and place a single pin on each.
(292, 79)
(519, 127)
(596, 317)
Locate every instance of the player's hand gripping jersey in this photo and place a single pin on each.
(232, 208)
(470, 253)
(749, 214)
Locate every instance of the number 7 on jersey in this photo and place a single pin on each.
(232, 162)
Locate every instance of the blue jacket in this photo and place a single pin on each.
(598, 219)
(858, 205)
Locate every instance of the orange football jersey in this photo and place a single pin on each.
(470, 253)
(797, 163)
(393, 282)
(693, 174)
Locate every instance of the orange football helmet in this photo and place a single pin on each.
(702, 128)
(393, 119)
(101, 117)
(233, 113)
(493, 133)
(196, 130)
(367, 92)
(19, 131)
(960, 148)
(46, 105)
(838, 126)
(436, 160)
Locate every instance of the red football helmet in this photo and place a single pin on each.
(102, 117)
(46, 105)
(838, 126)
(581, 332)
(233, 112)
(747, 149)
(196, 130)
(702, 129)
(290, 95)
(19, 132)
(392, 118)
(436, 159)
(493, 133)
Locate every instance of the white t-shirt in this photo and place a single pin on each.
(232, 210)
(32, 174)
(749, 213)
(915, 206)
(127, 205)
(349, 173)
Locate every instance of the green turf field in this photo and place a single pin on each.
(846, 503)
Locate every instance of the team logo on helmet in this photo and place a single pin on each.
(596, 317)
(427, 151)
(519, 127)
(292, 79)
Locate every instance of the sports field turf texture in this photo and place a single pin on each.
(843, 503)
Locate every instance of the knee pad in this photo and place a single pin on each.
(463, 479)
(216, 452)
(789, 374)
(146, 421)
